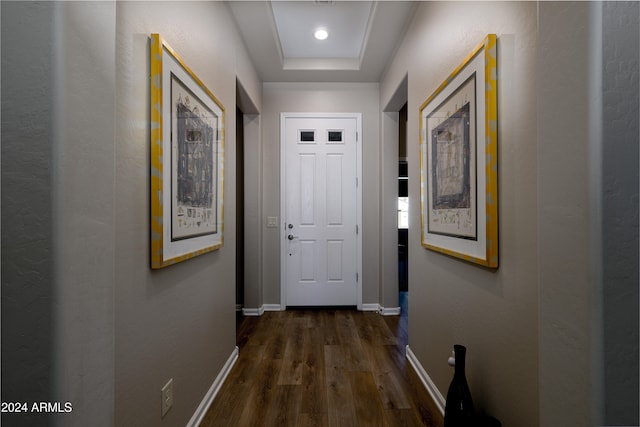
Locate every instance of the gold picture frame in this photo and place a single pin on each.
(187, 158)
(459, 160)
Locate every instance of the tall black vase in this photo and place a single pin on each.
(458, 411)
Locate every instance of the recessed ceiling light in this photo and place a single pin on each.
(321, 34)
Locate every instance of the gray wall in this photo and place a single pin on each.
(177, 322)
(332, 98)
(493, 313)
(620, 47)
(553, 334)
(568, 212)
(84, 318)
(589, 213)
(58, 199)
(27, 210)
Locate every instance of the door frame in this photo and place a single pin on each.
(283, 229)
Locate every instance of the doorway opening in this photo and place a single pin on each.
(403, 203)
(239, 214)
(395, 204)
(403, 212)
(248, 205)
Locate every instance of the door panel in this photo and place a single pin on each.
(307, 197)
(307, 261)
(320, 211)
(334, 260)
(334, 189)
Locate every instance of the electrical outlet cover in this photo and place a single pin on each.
(167, 397)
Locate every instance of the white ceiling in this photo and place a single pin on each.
(363, 36)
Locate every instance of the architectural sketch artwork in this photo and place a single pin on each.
(451, 152)
(450, 169)
(195, 151)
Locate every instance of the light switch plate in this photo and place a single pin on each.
(272, 222)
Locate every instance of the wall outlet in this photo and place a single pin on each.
(167, 397)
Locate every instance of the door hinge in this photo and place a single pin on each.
(357, 229)
(357, 277)
(357, 182)
(356, 136)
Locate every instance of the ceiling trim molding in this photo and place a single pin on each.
(381, 31)
(367, 34)
(321, 64)
(274, 28)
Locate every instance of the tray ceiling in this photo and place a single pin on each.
(362, 37)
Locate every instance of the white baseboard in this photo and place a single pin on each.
(370, 307)
(437, 397)
(253, 311)
(202, 409)
(389, 311)
(260, 310)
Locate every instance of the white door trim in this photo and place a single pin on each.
(283, 230)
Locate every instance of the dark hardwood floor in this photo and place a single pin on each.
(322, 368)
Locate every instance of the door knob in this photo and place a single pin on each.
(291, 237)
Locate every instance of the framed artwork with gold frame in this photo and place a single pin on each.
(187, 153)
(459, 160)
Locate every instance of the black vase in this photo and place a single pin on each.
(458, 411)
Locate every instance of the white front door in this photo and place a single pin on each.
(320, 202)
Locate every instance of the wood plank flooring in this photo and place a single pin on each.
(322, 368)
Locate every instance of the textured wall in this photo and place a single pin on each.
(177, 322)
(493, 313)
(58, 58)
(84, 203)
(27, 211)
(620, 132)
(84, 318)
(566, 201)
(564, 302)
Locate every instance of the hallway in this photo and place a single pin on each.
(322, 368)
(88, 321)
